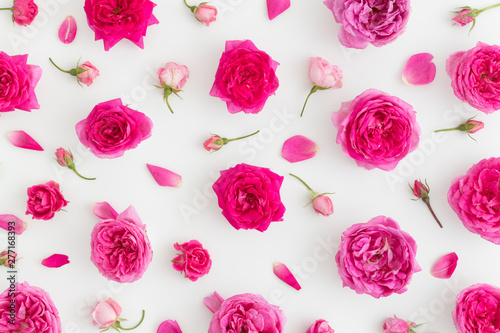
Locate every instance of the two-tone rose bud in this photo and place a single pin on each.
(421, 191)
(470, 127)
(215, 142)
(172, 78)
(203, 12)
(106, 315)
(321, 203)
(85, 73)
(65, 159)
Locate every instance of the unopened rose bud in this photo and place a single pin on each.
(321, 203)
(86, 73)
(421, 191)
(172, 78)
(463, 17)
(206, 14)
(215, 142)
(65, 159)
(470, 126)
(106, 314)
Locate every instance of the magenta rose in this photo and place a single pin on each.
(120, 247)
(376, 129)
(377, 258)
(320, 326)
(111, 128)
(17, 83)
(33, 310)
(478, 309)
(193, 260)
(113, 20)
(249, 196)
(397, 325)
(244, 313)
(245, 78)
(378, 21)
(45, 200)
(475, 198)
(474, 76)
(24, 11)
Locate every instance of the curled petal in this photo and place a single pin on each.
(284, 274)
(12, 223)
(67, 30)
(22, 140)
(165, 177)
(104, 210)
(299, 148)
(419, 69)
(55, 261)
(213, 302)
(444, 267)
(169, 326)
(276, 7)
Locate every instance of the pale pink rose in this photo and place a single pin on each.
(193, 260)
(324, 75)
(206, 14)
(45, 200)
(89, 74)
(67, 30)
(7, 258)
(396, 325)
(105, 313)
(173, 75)
(463, 17)
(323, 205)
(477, 309)
(24, 11)
(320, 326)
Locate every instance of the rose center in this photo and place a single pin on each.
(117, 10)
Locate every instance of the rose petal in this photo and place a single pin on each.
(444, 267)
(419, 69)
(298, 148)
(169, 326)
(104, 210)
(67, 30)
(284, 274)
(276, 7)
(213, 302)
(55, 261)
(22, 140)
(165, 177)
(19, 226)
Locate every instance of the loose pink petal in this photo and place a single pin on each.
(12, 223)
(298, 148)
(55, 261)
(444, 267)
(67, 30)
(169, 326)
(22, 140)
(284, 274)
(276, 7)
(104, 210)
(213, 302)
(419, 69)
(165, 177)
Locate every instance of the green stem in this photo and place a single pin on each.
(11, 8)
(132, 328)
(193, 8)
(427, 202)
(487, 8)
(448, 129)
(241, 137)
(313, 90)
(168, 104)
(303, 182)
(167, 91)
(59, 68)
(74, 169)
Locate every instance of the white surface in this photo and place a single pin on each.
(242, 260)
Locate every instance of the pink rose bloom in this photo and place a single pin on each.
(24, 11)
(206, 14)
(111, 128)
(376, 129)
(245, 78)
(377, 258)
(364, 22)
(324, 75)
(474, 76)
(475, 198)
(120, 247)
(244, 313)
(396, 325)
(18, 82)
(113, 20)
(194, 260)
(477, 309)
(105, 313)
(320, 326)
(35, 311)
(173, 75)
(45, 200)
(90, 73)
(249, 196)
(463, 17)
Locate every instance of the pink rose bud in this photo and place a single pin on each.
(164, 177)
(445, 266)
(172, 78)
(21, 139)
(298, 148)
(419, 69)
(67, 30)
(396, 325)
(24, 11)
(7, 258)
(284, 274)
(463, 17)
(106, 315)
(65, 158)
(12, 223)
(85, 73)
(421, 191)
(321, 203)
(276, 7)
(206, 14)
(55, 261)
(215, 142)
(470, 127)
(320, 326)
(169, 326)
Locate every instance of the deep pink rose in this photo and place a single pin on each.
(245, 78)
(34, 311)
(111, 128)
(475, 197)
(244, 313)
(17, 83)
(120, 247)
(377, 258)
(397, 325)
(474, 76)
(24, 11)
(249, 196)
(113, 20)
(369, 21)
(87, 77)
(194, 260)
(45, 200)
(376, 129)
(478, 309)
(320, 326)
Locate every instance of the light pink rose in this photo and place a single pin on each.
(173, 75)
(45, 200)
(474, 76)
(24, 11)
(477, 309)
(396, 325)
(377, 258)
(193, 260)
(206, 14)
(17, 86)
(105, 313)
(323, 74)
(376, 129)
(475, 198)
(35, 311)
(113, 20)
(320, 326)
(323, 205)
(111, 128)
(90, 73)
(246, 77)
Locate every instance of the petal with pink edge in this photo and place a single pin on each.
(22, 140)
(104, 210)
(299, 148)
(276, 7)
(169, 326)
(55, 261)
(213, 302)
(445, 266)
(284, 274)
(165, 177)
(12, 223)
(419, 69)
(67, 30)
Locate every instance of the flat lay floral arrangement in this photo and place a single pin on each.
(249, 166)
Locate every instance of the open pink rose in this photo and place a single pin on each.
(111, 128)
(397, 325)
(194, 260)
(376, 129)
(477, 309)
(474, 76)
(377, 258)
(475, 198)
(113, 20)
(45, 200)
(24, 11)
(249, 196)
(120, 247)
(364, 22)
(245, 78)
(320, 326)
(17, 83)
(35, 311)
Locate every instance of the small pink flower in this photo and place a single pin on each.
(215, 142)
(421, 191)
(169, 326)
(284, 274)
(67, 30)
(463, 17)
(321, 203)
(320, 326)
(193, 260)
(65, 158)
(396, 325)
(445, 266)
(419, 69)
(276, 7)
(298, 148)
(45, 200)
(24, 11)
(55, 261)
(7, 258)
(12, 223)
(206, 14)
(85, 73)
(22, 140)
(172, 78)
(106, 313)
(477, 309)
(164, 177)
(470, 126)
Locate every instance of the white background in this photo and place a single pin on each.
(242, 260)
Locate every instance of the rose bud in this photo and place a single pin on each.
(203, 12)
(396, 325)
(65, 158)
(321, 203)
(106, 315)
(421, 191)
(7, 258)
(23, 11)
(85, 73)
(320, 326)
(172, 78)
(215, 142)
(467, 15)
(470, 127)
